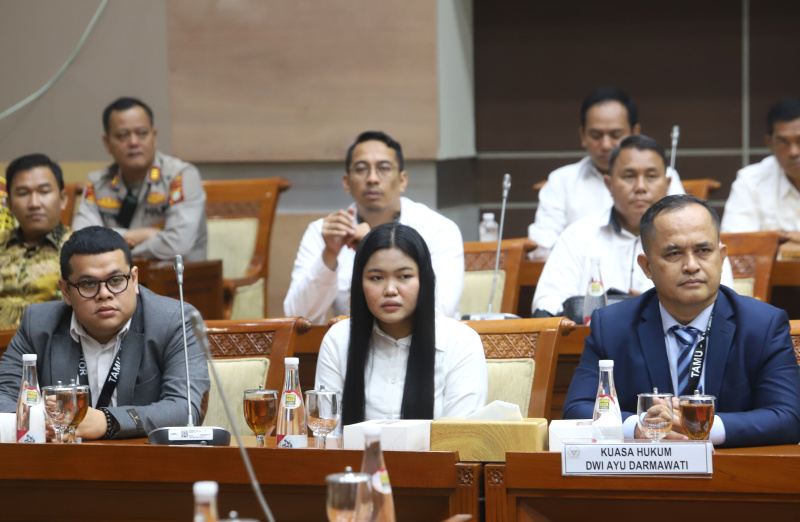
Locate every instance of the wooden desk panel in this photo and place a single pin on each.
(747, 484)
(202, 283)
(135, 481)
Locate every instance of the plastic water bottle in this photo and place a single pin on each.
(205, 501)
(607, 419)
(595, 293)
(488, 228)
(373, 465)
(291, 429)
(30, 409)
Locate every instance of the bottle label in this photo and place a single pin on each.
(292, 441)
(30, 396)
(595, 288)
(291, 400)
(380, 482)
(604, 403)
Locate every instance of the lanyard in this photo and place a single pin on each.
(111, 380)
(698, 359)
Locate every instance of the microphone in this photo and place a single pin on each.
(675, 134)
(489, 316)
(189, 434)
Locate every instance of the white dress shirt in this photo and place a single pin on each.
(567, 270)
(717, 433)
(571, 193)
(460, 377)
(762, 198)
(315, 288)
(99, 357)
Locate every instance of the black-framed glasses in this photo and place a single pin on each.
(362, 170)
(89, 288)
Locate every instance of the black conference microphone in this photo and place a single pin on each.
(189, 434)
(489, 316)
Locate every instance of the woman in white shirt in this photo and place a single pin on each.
(397, 357)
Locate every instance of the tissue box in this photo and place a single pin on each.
(405, 434)
(487, 441)
(567, 430)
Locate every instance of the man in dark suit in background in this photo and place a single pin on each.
(749, 363)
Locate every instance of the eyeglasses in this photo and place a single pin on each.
(362, 170)
(89, 288)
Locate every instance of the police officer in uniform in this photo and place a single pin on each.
(156, 202)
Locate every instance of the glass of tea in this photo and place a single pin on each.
(260, 412)
(654, 412)
(323, 411)
(60, 405)
(697, 415)
(82, 392)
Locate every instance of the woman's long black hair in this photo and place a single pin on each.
(419, 385)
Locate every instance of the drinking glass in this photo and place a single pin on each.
(82, 393)
(654, 414)
(60, 404)
(323, 411)
(260, 412)
(697, 415)
(349, 497)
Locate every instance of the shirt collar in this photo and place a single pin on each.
(405, 342)
(77, 331)
(53, 237)
(700, 322)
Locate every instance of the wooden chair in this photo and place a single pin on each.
(523, 340)
(794, 331)
(700, 187)
(74, 192)
(752, 255)
(239, 215)
(248, 354)
(479, 261)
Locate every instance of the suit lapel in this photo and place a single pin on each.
(654, 349)
(131, 358)
(723, 329)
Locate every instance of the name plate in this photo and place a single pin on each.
(194, 433)
(637, 458)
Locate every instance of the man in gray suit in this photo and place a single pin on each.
(124, 341)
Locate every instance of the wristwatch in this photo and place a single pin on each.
(112, 424)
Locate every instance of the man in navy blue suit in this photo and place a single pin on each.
(747, 358)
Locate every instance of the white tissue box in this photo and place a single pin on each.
(403, 435)
(561, 430)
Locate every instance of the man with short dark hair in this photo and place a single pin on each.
(766, 195)
(575, 191)
(122, 340)
(155, 201)
(29, 254)
(375, 177)
(690, 333)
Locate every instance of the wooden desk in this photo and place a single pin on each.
(135, 481)
(202, 283)
(747, 484)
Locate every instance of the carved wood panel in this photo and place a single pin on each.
(796, 343)
(743, 265)
(241, 344)
(233, 209)
(510, 346)
(483, 260)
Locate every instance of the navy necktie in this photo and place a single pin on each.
(686, 337)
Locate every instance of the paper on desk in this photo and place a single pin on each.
(8, 427)
(498, 411)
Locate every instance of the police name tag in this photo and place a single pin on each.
(637, 458)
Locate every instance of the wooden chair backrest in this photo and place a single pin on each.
(270, 338)
(534, 338)
(701, 187)
(795, 333)
(248, 198)
(74, 192)
(482, 256)
(752, 254)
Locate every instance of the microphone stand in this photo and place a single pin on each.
(675, 134)
(489, 316)
(190, 434)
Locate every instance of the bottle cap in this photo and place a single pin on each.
(606, 363)
(371, 430)
(206, 489)
(26, 357)
(488, 215)
(291, 361)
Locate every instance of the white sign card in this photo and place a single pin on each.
(637, 458)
